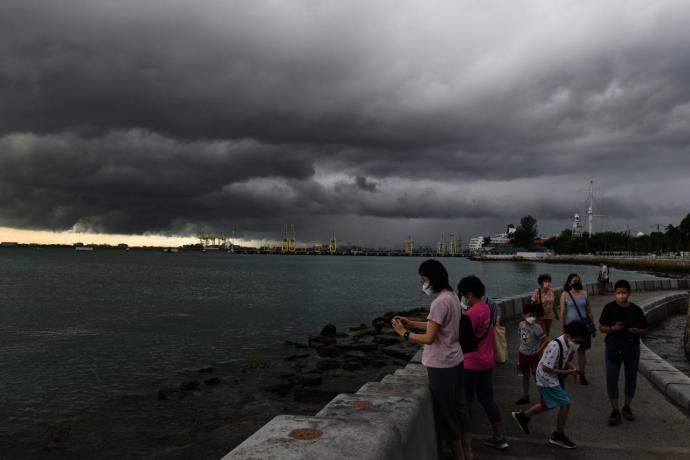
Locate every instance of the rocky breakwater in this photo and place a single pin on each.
(335, 362)
(203, 412)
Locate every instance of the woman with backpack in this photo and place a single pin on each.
(575, 307)
(479, 364)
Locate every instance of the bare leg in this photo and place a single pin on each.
(534, 410)
(499, 429)
(467, 446)
(582, 360)
(615, 405)
(458, 452)
(562, 418)
(525, 385)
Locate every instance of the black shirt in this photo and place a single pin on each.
(630, 316)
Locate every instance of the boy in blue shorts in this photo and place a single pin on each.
(553, 367)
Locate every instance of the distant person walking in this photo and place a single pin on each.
(624, 323)
(442, 357)
(545, 296)
(479, 364)
(603, 279)
(575, 307)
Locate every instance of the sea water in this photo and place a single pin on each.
(77, 328)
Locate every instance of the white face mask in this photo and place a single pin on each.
(574, 346)
(426, 287)
(530, 319)
(463, 303)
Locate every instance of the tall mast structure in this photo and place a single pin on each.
(441, 246)
(452, 249)
(292, 247)
(332, 244)
(285, 246)
(408, 245)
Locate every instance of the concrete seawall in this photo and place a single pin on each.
(642, 263)
(393, 419)
(666, 378)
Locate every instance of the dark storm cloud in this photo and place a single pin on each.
(158, 116)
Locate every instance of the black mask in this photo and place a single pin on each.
(578, 285)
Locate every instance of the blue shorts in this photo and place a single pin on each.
(553, 397)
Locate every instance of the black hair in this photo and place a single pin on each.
(471, 284)
(576, 329)
(622, 284)
(567, 286)
(437, 274)
(543, 277)
(531, 308)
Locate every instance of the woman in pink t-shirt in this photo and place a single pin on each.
(479, 364)
(442, 357)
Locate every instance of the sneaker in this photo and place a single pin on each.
(522, 401)
(627, 413)
(496, 443)
(560, 439)
(522, 420)
(583, 380)
(615, 418)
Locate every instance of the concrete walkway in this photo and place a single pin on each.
(661, 430)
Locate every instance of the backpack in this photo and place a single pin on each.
(561, 362)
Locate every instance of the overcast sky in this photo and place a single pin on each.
(377, 118)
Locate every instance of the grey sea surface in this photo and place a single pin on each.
(79, 328)
(666, 340)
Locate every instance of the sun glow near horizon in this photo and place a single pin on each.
(22, 236)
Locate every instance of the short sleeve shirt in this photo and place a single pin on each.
(629, 316)
(445, 350)
(483, 358)
(530, 337)
(550, 359)
(547, 301)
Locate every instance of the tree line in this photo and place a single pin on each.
(672, 239)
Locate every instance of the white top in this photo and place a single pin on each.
(550, 359)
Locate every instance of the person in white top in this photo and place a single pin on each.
(553, 367)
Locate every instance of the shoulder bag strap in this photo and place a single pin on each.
(560, 354)
(577, 309)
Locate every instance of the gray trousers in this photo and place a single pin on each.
(451, 414)
(480, 383)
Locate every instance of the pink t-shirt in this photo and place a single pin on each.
(483, 358)
(445, 351)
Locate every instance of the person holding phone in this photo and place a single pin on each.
(624, 323)
(442, 357)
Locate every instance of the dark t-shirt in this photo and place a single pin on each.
(630, 316)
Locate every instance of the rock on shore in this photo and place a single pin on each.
(209, 410)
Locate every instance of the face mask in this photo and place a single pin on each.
(578, 285)
(530, 319)
(463, 303)
(574, 346)
(426, 287)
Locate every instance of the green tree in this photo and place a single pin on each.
(525, 233)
